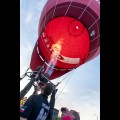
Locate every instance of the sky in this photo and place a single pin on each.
(80, 91)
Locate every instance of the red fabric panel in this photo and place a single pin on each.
(76, 41)
(35, 59)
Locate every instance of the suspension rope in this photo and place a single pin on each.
(84, 9)
(65, 84)
(94, 22)
(68, 7)
(54, 9)
(68, 79)
(95, 38)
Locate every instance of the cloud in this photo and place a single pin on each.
(29, 17)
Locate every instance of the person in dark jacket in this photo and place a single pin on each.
(52, 104)
(37, 107)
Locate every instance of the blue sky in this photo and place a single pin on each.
(82, 93)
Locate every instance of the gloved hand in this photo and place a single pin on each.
(54, 92)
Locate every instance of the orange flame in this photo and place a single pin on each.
(56, 49)
(55, 53)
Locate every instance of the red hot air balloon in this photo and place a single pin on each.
(70, 27)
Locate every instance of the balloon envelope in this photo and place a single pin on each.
(76, 23)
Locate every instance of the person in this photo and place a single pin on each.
(74, 115)
(65, 114)
(37, 107)
(69, 115)
(52, 104)
(38, 88)
(52, 99)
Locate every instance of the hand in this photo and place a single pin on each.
(54, 91)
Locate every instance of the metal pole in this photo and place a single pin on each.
(24, 74)
(27, 88)
(29, 85)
